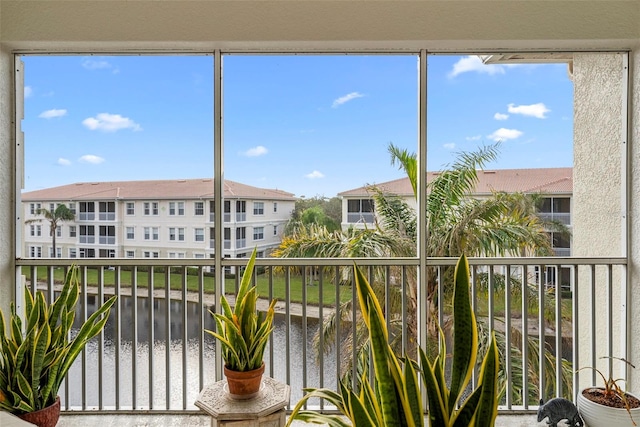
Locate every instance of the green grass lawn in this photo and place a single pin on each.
(159, 282)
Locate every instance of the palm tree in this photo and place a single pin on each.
(503, 224)
(60, 214)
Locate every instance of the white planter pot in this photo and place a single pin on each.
(596, 415)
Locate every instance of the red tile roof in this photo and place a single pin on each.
(160, 189)
(539, 180)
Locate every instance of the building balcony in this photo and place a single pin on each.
(154, 356)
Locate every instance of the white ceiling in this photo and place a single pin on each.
(450, 25)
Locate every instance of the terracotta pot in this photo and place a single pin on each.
(597, 415)
(45, 417)
(244, 385)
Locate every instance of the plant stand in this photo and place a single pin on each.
(267, 409)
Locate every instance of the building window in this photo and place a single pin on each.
(360, 210)
(59, 233)
(107, 211)
(58, 253)
(199, 234)
(72, 231)
(258, 233)
(149, 254)
(87, 253)
(130, 254)
(212, 210)
(198, 256)
(151, 208)
(131, 233)
(87, 235)
(52, 207)
(199, 208)
(35, 252)
(131, 208)
(87, 211)
(72, 253)
(176, 254)
(107, 235)
(227, 211)
(72, 207)
(176, 234)
(241, 210)
(241, 237)
(275, 230)
(258, 208)
(227, 238)
(176, 208)
(151, 233)
(107, 253)
(34, 208)
(35, 230)
(275, 206)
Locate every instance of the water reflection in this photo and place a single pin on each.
(145, 374)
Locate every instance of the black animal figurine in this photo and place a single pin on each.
(558, 409)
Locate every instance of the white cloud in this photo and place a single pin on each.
(449, 146)
(256, 151)
(344, 99)
(474, 138)
(64, 162)
(28, 91)
(314, 175)
(534, 110)
(90, 158)
(50, 114)
(110, 123)
(95, 64)
(500, 116)
(504, 134)
(474, 63)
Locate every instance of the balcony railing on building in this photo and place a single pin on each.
(355, 217)
(154, 355)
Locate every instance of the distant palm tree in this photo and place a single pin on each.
(55, 217)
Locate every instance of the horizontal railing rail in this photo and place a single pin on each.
(155, 356)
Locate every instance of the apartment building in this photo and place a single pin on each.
(154, 219)
(555, 184)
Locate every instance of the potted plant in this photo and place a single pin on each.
(394, 397)
(243, 332)
(608, 405)
(36, 351)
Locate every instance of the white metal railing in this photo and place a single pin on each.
(561, 217)
(367, 217)
(155, 356)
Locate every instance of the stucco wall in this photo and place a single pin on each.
(7, 253)
(634, 217)
(598, 215)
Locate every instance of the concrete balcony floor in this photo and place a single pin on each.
(152, 420)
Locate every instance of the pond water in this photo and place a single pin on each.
(136, 367)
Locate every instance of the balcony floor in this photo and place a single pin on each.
(152, 420)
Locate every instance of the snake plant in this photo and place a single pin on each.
(394, 398)
(36, 350)
(243, 331)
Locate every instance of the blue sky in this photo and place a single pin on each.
(311, 125)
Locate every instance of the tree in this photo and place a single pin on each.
(316, 210)
(60, 214)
